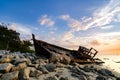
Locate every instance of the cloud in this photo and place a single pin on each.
(103, 42)
(65, 17)
(67, 36)
(46, 21)
(25, 31)
(101, 17)
(111, 48)
(52, 32)
(107, 27)
(20, 28)
(95, 43)
(109, 34)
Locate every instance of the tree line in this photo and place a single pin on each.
(10, 40)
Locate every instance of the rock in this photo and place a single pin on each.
(21, 56)
(2, 52)
(33, 65)
(35, 73)
(43, 69)
(31, 58)
(58, 74)
(105, 72)
(64, 78)
(5, 67)
(6, 59)
(60, 65)
(19, 66)
(16, 57)
(1, 74)
(78, 71)
(7, 56)
(0, 56)
(10, 76)
(65, 59)
(39, 61)
(24, 74)
(80, 77)
(21, 60)
(52, 78)
(54, 58)
(100, 78)
(60, 58)
(117, 78)
(89, 69)
(50, 67)
(86, 69)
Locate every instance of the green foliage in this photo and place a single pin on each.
(10, 40)
(25, 46)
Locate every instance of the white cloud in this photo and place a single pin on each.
(52, 32)
(117, 18)
(65, 17)
(20, 28)
(109, 34)
(25, 32)
(101, 17)
(107, 27)
(46, 21)
(67, 36)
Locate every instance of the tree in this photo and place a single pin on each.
(10, 40)
(26, 46)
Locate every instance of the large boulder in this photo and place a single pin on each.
(33, 65)
(10, 76)
(5, 67)
(6, 59)
(43, 69)
(50, 67)
(54, 58)
(35, 73)
(52, 78)
(86, 69)
(105, 72)
(77, 72)
(21, 60)
(65, 59)
(24, 74)
(118, 78)
(80, 77)
(19, 66)
(100, 78)
(1, 75)
(64, 78)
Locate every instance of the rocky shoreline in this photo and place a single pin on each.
(27, 66)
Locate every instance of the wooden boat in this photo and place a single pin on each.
(82, 55)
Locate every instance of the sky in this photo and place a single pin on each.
(69, 24)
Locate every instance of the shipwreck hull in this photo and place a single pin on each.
(39, 49)
(82, 55)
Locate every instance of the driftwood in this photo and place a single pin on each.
(57, 53)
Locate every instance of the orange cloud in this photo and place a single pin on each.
(95, 43)
(113, 47)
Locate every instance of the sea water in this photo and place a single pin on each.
(111, 61)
